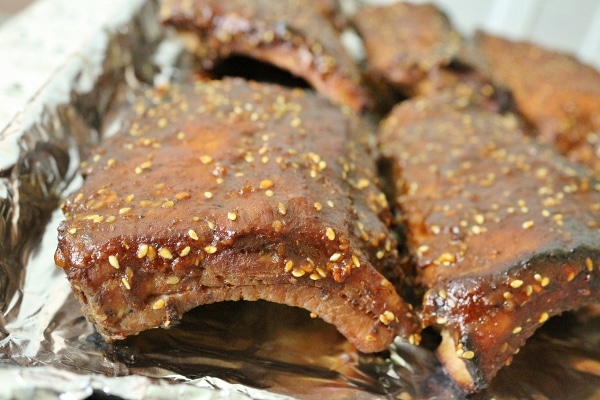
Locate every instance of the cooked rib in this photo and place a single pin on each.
(556, 93)
(504, 232)
(415, 49)
(294, 36)
(228, 190)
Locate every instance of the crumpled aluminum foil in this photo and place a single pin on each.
(227, 350)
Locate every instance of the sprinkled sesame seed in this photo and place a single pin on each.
(206, 159)
(543, 317)
(182, 196)
(468, 355)
(124, 210)
(441, 320)
(335, 257)
(517, 283)
(232, 216)
(151, 253)
(277, 226)
(330, 203)
(186, 250)
(192, 233)
(517, 329)
(289, 265)
(330, 233)
(298, 272)
(363, 183)
(72, 231)
(158, 304)
(318, 206)
(527, 224)
(387, 317)
(142, 250)
(269, 193)
(126, 283)
(168, 204)
(165, 253)
(266, 184)
(355, 261)
(112, 260)
(208, 195)
(281, 208)
(545, 281)
(210, 249)
(173, 280)
(315, 276)
(589, 264)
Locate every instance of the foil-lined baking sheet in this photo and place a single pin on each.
(69, 75)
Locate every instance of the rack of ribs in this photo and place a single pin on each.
(229, 190)
(503, 230)
(299, 37)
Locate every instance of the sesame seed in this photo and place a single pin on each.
(297, 272)
(589, 264)
(468, 355)
(321, 272)
(545, 281)
(210, 249)
(335, 257)
(330, 203)
(281, 208)
(363, 183)
(111, 218)
(126, 283)
(168, 204)
(446, 258)
(441, 321)
(72, 231)
(151, 253)
(173, 280)
(112, 260)
(289, 265)
(192, 233)
(315, 276)
(435, 229)
(517, 329)
(182, 196)
(124, 210)
(355, 261)
(165, 253)
(266, 184)
(158, 304)
(527, 224)
(208, 195)
(330, 233)
(206, 159)
(318, 206)
(186, 250)
(142, 250)
(543, 317)
(387, 317)
(269, 193)
(517, 283)
(231, 216)
(277, 226)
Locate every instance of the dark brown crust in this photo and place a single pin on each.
(415, 49)
(252, 191)
(556, 93)
(503, 230)
(294, 36)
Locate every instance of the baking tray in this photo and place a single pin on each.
(69, 71)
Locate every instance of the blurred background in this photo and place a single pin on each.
(572, 25)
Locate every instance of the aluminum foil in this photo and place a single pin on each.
(72, 77)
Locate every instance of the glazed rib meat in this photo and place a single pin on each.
(299, 37)
(556, 93)
(504, 232)
(415, 49)
(229, 190)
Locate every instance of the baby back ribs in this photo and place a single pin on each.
(504, 232)
(228, 190)
(299, 37)
(556, 93)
